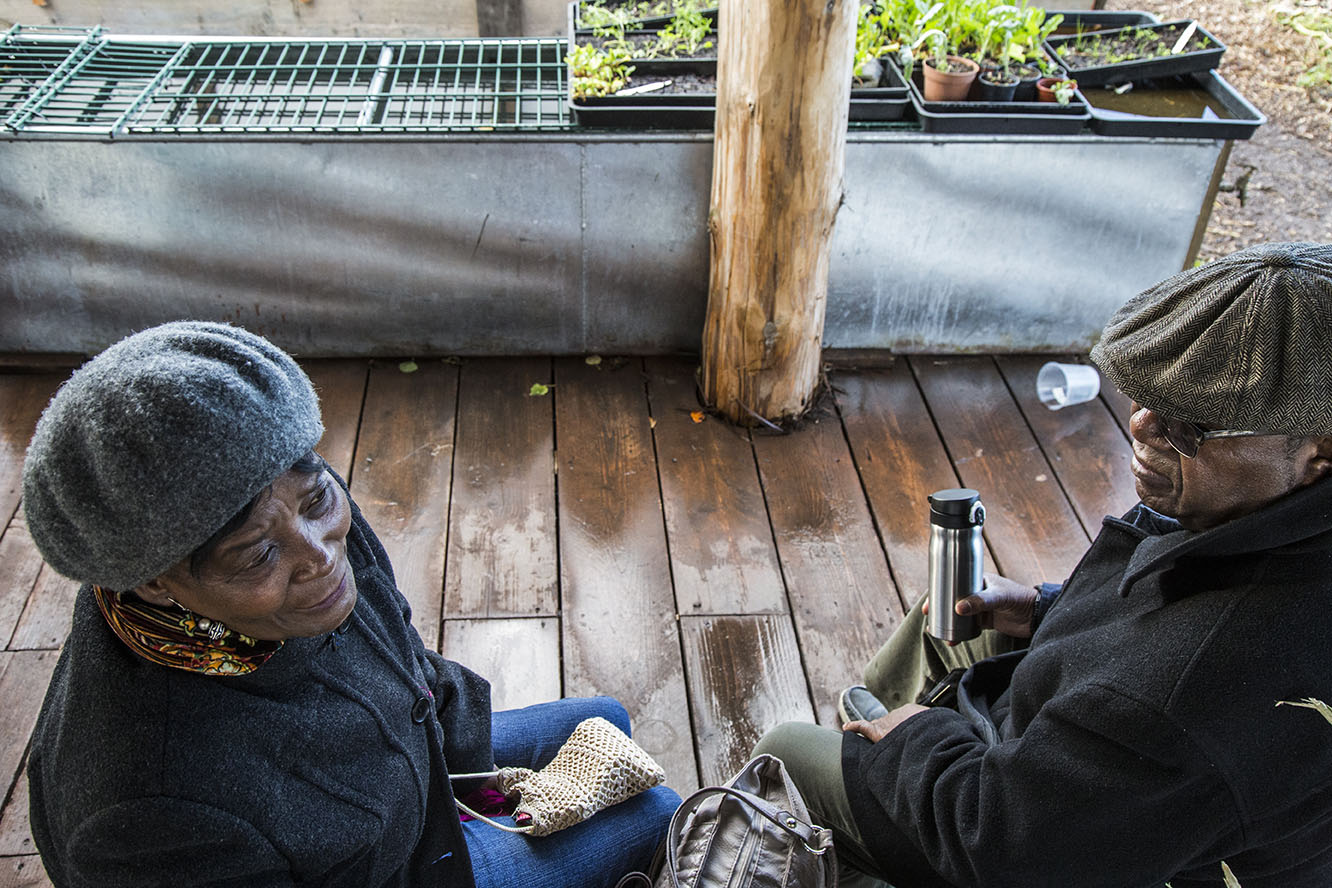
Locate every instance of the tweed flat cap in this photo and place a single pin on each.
(1243, 342)
(152, 446)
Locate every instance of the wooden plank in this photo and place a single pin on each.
(843, 598)
(620, 631)
(901, 461)
(15, 830)
(402, 475)
(1032, 530)
(24, 676)
(1083, 442)
(744, 677)
(20, 565)
(501, 557)
(722, 553)
(23, 397)
(519, 656)
(23, 872)
(1119, 404)
(341, 388)
(46, 619)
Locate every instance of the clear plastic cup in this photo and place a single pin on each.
(1061, 385)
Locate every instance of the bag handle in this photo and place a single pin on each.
(483, 818)
(816, 839)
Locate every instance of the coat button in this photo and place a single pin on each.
(420, 709)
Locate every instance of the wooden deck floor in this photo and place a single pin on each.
(598, 539)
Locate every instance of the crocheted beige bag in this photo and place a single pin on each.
(598, 766)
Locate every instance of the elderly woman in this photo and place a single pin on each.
(243, 700)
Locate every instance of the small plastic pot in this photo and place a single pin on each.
(990, 90)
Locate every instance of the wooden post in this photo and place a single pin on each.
(783, 91)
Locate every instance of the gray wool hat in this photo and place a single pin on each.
(151, 447)
(1243, 342)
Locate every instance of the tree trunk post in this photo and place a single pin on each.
(783, 92)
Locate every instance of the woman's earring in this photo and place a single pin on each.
(177, 603)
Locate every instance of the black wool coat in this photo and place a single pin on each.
(328, 765)
(1138, 740)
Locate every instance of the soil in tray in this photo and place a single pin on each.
(677, 84)
(1131, 44)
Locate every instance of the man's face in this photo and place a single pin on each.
(1228, 478)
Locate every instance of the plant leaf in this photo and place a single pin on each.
(408, 367)
(592, 360)
(537, 390)
(1231, 881)
(697, 415)
(1311, 703)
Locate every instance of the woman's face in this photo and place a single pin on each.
(282, 574)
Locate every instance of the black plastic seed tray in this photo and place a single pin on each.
(694, 108)
(999, 118)
(1191, 62)
(652, 22)
(890, 100)
(1099, 19)
(1229, 115)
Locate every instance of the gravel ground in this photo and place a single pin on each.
(1277, 185)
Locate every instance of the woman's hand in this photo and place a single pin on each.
(876, 730)
(1003, 605)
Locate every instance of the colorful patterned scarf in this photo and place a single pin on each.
(180, 638)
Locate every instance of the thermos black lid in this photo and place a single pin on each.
(956, 507)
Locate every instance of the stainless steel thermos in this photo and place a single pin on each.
(956, 516)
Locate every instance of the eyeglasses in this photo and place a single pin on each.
(1186, 437)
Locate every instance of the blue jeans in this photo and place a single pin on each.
(596, 852)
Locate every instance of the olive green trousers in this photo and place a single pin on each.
(907, 663)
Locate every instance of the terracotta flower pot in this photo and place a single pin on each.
(949, 86)
(1045, 88)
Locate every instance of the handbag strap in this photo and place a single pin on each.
(816, 839)
(483, 818)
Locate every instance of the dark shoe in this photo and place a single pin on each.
(858, 704)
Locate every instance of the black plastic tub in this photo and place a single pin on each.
(1194, 61)
(999, 118)
(1215, 109)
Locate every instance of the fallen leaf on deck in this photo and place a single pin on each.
(652, 423)
(697, 415)
(537, 390)
(407, 367)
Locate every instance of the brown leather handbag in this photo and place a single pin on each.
(753, 831)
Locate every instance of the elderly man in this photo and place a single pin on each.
(1129, 734)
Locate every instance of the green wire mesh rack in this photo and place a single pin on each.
(82, 82)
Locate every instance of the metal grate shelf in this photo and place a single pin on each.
(81, 82)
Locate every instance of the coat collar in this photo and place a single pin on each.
(1297, 523)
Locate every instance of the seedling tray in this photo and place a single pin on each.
(1092, 20)
(890, 100)
(1237, 118)
(652, 22)
(1191, 62)
(1000, 118)
(697, 109)
(653, 110)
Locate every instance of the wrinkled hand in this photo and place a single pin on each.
(876, 730)
(1003, 605)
